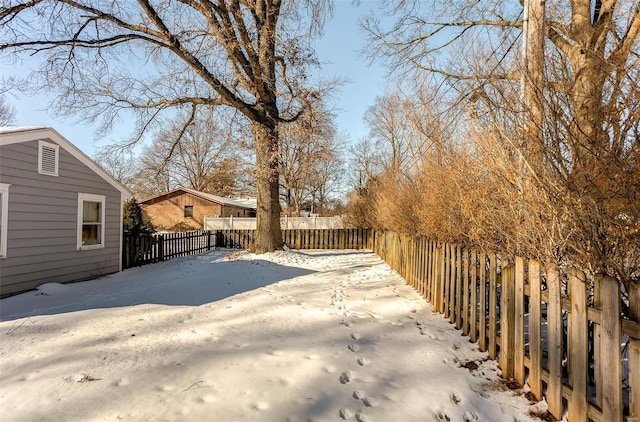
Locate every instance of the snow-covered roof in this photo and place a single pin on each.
(249, 203)
(15, 129)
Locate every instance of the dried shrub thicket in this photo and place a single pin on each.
(548, 168)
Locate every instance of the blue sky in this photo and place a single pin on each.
(338, 49)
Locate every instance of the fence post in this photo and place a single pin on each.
(430, 272)
(611, 364)
(579, 346)
(125, 251)
(465, 291)
(535, 337)
(554, 340)
(493, 303)
(482, 306)
(507, 320)
(441, 278)
(445, 280)
(161, 247)
(518, 341)
(634, 379)
(474, 297)
(453, 293)
(459, 291)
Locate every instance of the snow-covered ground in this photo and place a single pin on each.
(289, 336)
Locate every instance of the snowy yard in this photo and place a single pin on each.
(290, 336)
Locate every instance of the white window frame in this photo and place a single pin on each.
(56, 148)
(91, 198)
(4, 223)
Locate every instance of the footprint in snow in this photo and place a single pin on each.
(370, 402)
(441, 416)
(361, 417)
(425, 331)
(455, 399)
(345, 413)
(367, 401)
(362, 361)
(354, 347)
(469, 416)
(356, 336)
(346, 377)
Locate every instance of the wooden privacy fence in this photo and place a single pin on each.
(558, 331)
(146, 249)
(328, 238)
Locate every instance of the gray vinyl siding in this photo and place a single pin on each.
(42, 221)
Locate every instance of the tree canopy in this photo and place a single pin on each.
(102, 57)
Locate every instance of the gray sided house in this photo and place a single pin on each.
(60, 213)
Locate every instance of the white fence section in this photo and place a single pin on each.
(286, 223)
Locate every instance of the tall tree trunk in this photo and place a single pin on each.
(589, 68)
(534, 81)
(268, 234)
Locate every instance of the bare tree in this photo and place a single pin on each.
(366, 163)
(388, 130)
(118, 162)
(326, 180)
(205, 157)
(103, 57)
(7, 113)
(153, 175)
(306, 144)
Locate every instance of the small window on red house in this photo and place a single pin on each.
(188, 211)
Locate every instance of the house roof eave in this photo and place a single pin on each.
(17, 134)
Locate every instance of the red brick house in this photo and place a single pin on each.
(184, 208)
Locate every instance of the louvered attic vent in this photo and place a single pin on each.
(48, 159)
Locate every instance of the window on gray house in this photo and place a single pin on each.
(91, 213)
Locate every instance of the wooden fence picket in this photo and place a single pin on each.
(518, 328)
(507, 320)
(578, 350)
(554, 340)
(482, 279)
(535, 334)
(459, 292)
(634, 379)
(465, 292)
(611, 365)
(452, 284)
(474, 298)
(493, 305)
(446, 279)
